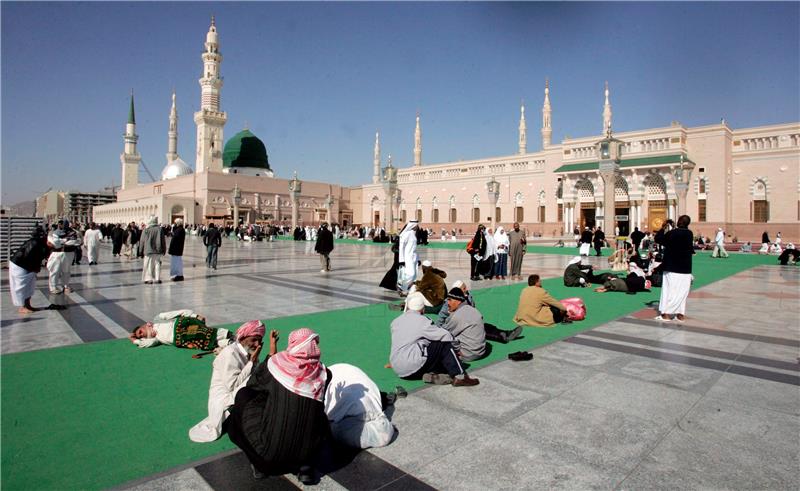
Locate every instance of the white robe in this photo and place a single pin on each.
(22, 284)
(674, 292)
(92, 240)
(407, 274)
(232, 369)
(164, 326)
(353, 406)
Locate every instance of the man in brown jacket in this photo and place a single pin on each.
(537, 308)
(432, 286)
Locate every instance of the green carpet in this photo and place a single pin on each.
(97, 415)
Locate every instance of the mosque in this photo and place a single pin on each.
(744, 180)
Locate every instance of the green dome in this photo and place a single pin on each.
(245, 150)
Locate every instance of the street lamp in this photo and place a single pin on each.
(493, 188)
(236, 199)
(609, 150)
(295, 186)
(389, 187)
(682, 173)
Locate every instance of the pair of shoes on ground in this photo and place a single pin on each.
(398, 393)
(662, 318)
(512, 335)
(520, 356)
(445, 379)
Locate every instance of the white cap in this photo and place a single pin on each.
(427, 263)
(458, 284)
(415, 301)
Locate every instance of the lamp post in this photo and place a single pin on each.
(493, 188)
(236, 199)
(328, 209)
(609, 150)
(389, 187)
(682, 174)
(295, 187)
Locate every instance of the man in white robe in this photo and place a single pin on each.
(232, 369)
(408, 259)
(354, 408)
(719, 244)
(91, 240)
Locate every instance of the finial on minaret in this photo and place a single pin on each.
(606, 112)
(246, 125)
(131, 112)
(213, 21)
(417, 143)
(547, 130)
(376, 159)
(523, 129)
(172, 133)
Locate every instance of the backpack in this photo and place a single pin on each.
(576, 309)
(470, 249)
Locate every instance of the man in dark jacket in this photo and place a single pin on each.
(117, 238)
(599, 239)
(678, 246)
(324, 247)
(212, 240)
(477, 252)
(23, 266)
(176, 251)
(636, 238)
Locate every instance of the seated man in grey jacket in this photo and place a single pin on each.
(420, 349)
(469, 331)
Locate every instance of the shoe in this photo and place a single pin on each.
(465, 381)
(148, 282)
(520, 356)
(437, 379)
(400, 392)
(512, 335)
(661, 318)
(159, 282)
(323, 270)
(177, 278)
(306, 475)
(257, 474)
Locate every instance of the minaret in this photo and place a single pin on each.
(210, 120)
(376, 160)
(523, 131)
(172, 140)
(417, 144)
(606, 113)
(547, 130)
(130, 158)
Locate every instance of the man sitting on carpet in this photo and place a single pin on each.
(181, 328)
(537, 308)
(420, 349)
(464, 299)
(432, 286)
(581, 275)
(232, 369)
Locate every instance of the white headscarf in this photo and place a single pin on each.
(153, 220)
(574, 260)
(491, 245)
(634, 268)
(409, 226)
(501, 238)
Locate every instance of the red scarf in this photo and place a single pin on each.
(298, 368)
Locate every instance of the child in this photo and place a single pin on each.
(181, 328)
(232, 369)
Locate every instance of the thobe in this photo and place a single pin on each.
(408, 258)
(719, 245)
(353, 406)
(164, 326)
(516, 240)
(117, 238)
(176, 252)
(59, 264)
(232, 369)
(153, 246)
(92, 239)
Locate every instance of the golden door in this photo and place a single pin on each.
(656, 217)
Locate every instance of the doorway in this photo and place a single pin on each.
(376, 219)
(587, 216)
(624, 225)
(656, 214)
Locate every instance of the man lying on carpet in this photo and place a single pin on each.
(469, 331)
(537, 308)
(636, 281)
(279, 418)
(582, 275)
(183, 329)
(420, 349)
(232, 369)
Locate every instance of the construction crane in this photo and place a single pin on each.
(153, 179)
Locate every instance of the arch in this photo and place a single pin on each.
(655, 187)
(759, 186)
(620, 189)
(419, 203)
(435, 202)
(476, 201)
(452, 201)
(584, 189)
(375, 202)
(701, 185)
(519, 199)
(541, 197)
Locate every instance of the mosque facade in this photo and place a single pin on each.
(744, 180)
(229, 182)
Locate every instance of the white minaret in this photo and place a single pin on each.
(547, 129)
(606, 113)
(172, 140)
(130, 158)
(209, 119)
(523, 131)
(417, 144)
(376, 160)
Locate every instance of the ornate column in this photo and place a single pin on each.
(493, 188)
(328, 208)
(295, 187)
(609, 150)
(277, 218)
(236, 200)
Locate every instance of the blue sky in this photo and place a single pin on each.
(314, 81)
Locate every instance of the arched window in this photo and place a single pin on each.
(701, 186)
(760, 207)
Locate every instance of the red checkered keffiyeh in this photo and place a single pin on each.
(298, 368)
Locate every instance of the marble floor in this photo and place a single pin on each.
(712, 403)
